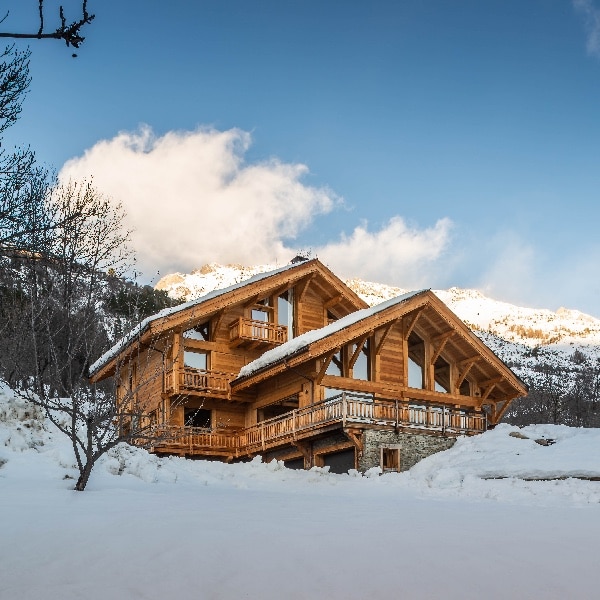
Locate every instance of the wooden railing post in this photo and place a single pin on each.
(344, 409)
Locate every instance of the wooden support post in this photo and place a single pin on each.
(410, 321)
(438, 343)
(177, 360)
(463, 369)
(323, 370)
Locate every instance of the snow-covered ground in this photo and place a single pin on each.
(497, 516)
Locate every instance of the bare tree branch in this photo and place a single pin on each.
(69, 32)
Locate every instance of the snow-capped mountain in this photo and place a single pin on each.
(524, 338)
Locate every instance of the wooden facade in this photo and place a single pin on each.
(293, 364)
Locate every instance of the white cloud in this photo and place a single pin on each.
(191, 198)
(396, 254)
(591, 16)
(511, 271)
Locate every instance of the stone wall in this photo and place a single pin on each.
(413, 447)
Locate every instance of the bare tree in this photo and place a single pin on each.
(59, 328)
(23, 185)
(69, 32)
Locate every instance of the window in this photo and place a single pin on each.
(259, 315)
(335, 365)
(285, 311)
(390, 458)
(196, 360)
(197, 417)
(261, 312)
(362, 365)
(441, 373)
(416, 360)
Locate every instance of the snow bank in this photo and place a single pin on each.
(151, 528)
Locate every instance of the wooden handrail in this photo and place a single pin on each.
(191, 379)
(253, 330)
(347, 408)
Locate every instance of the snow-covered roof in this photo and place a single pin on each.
(168, 312)
(302, 342)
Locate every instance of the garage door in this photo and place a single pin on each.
(339, 462)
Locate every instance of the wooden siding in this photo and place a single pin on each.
(391, 357)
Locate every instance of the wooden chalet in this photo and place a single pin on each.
(293, 365)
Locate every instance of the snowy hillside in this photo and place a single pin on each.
(523, 337)
(497, 516)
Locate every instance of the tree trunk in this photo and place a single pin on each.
(84, 476)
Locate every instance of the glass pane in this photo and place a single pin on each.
(195, 360)
(335, 366)
(285, 311)
(361, 366)
(260, 315)
(415, 375)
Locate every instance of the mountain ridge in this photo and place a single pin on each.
(529, 340)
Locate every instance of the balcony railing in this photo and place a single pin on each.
(345, 409)
(252, 331)
(198, 380)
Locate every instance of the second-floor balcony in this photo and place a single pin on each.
(250, 332)
(197, 381)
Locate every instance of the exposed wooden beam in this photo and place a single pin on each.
(411, 321)
(465, 367)
(304, 448)
(438, 343)
(355, 436)
(251, 301)
(332, 301)
(215, 323)
(488, 390)
(302, 286)
(359, 346)
(499, 413)
(489, 382)
(279, 290)
(383, 335)
(326, 361)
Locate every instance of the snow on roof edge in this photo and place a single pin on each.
(167, 312)
(300, 343)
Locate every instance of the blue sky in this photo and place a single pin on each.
(416, 143)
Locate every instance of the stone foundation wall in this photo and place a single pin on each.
(413, 447)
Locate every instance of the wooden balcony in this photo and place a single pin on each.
(248, 332)
(197, 382)
(195, 441)
(347, 409)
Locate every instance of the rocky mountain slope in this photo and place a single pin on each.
(528, 339)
